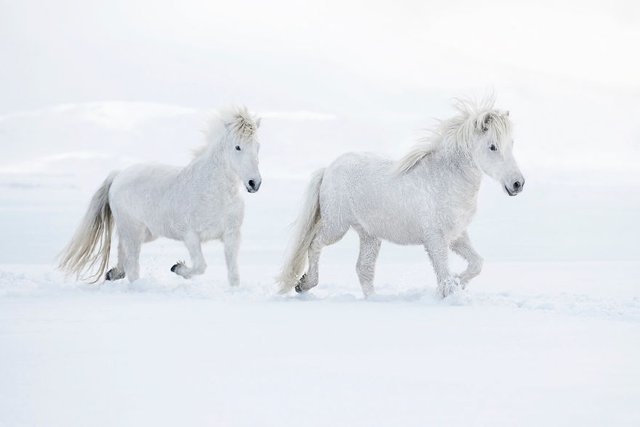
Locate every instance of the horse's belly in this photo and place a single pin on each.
(394, 228)
(211, 233)
(402, 239)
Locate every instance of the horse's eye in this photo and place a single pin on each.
(493, 147)
(237, 148)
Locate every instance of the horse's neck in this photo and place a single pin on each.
(455, 166)
(211, 167)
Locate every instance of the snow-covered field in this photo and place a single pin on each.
(529, 344)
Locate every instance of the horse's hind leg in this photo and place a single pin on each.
(327, 235)
(192, 242)
(131, 237)
(366, 265)
(117, 272)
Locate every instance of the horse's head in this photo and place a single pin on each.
(242, 148)
(493, 150)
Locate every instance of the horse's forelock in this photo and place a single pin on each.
(499, 125)
(481, 117)
(240, 122)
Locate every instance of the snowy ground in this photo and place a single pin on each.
(529, 344)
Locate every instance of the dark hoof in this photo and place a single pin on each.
(177, 265)
(113, 274)
(299, 289)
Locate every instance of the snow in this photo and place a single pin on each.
(515, 349)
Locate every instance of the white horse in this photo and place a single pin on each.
(193, 204)
(427, 198)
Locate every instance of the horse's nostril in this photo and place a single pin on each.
(517, 185)
(252, 183)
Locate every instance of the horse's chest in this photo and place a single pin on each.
(457, 215)
(214, 215)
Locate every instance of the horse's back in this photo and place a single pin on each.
(146, 176)
(352, 174)
(361, 190)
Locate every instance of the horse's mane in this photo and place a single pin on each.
(456, 133)
(236, 119)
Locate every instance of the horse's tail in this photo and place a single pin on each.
(305, 230)
(91, 243)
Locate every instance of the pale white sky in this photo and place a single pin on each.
(287, 54)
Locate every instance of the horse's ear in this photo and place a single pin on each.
(483, 122)
(506, 114)
(258, 120)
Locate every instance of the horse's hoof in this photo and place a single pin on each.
(449, 286)
(176, 266)
(113, 274)
(298, 287)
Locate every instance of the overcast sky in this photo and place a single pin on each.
(307, 55)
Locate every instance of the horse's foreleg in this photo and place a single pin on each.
(438, 250)
(199, 265)
(462, 246)
(231, 247)
(369, 249)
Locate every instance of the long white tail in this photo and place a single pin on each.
(91, 243)
(305, 230)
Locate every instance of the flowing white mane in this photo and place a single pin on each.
(457, 133)
(237, 120)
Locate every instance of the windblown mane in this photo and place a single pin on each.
(456, 133)
(237, 120)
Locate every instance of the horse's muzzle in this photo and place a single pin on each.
(516, 188)
(253, 186)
